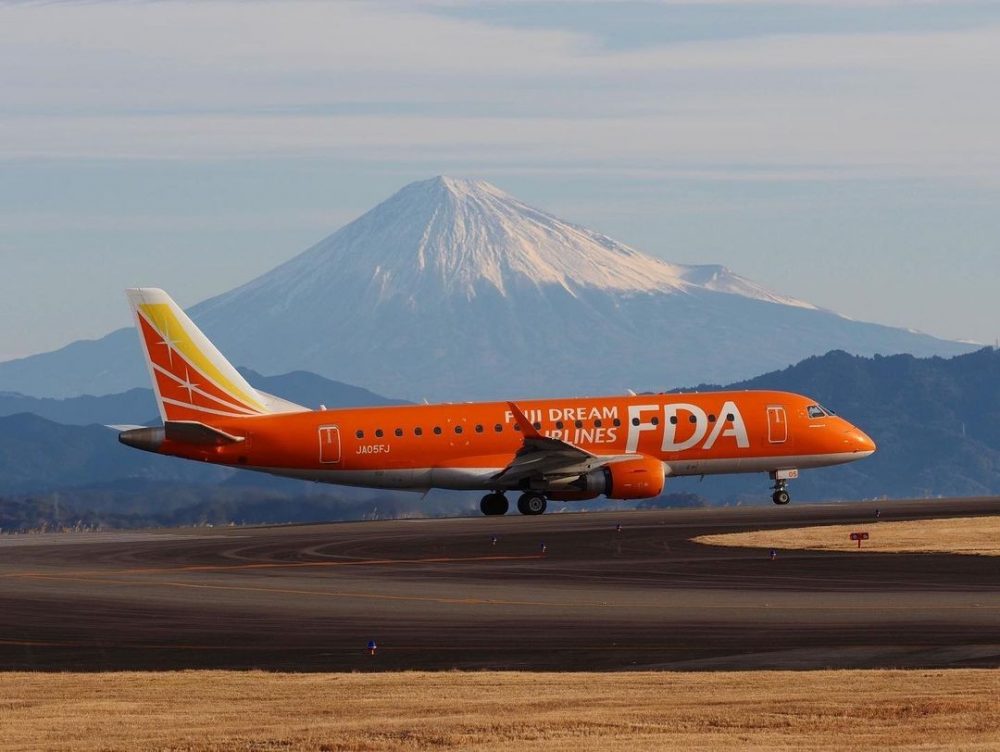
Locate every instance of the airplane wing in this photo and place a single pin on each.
(546, 457)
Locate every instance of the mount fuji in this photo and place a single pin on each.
(454, 290)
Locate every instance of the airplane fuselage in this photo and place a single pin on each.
(464, 446)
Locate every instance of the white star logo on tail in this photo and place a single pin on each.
(189, 385)
(168, 342)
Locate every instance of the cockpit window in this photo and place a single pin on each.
(827, 410)
(815, 411)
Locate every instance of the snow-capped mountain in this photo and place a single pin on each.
(452, 290)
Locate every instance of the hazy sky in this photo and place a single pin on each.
(844, 152)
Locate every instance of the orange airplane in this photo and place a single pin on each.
(561, 449)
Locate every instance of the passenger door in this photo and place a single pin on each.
(777, 424)
(329, 445)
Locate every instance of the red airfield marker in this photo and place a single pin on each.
(859, 536)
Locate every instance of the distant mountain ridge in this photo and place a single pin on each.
(454, 290)
(138, 407)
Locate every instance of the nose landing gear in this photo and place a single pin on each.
(780, 487)
(780, 495)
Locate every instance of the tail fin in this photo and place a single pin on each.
(191, 378)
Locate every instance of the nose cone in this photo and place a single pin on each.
(860, 442)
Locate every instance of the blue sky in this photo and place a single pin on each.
(841, 152)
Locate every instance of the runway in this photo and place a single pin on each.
(441, 594)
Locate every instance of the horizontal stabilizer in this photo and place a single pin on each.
(192, 432)
(123, 428)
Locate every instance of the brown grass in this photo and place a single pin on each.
(963, 535)
(827, 710)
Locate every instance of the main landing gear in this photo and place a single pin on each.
(780, 487)
(530, 502)
(494, 503)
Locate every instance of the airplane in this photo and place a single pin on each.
(570, 449)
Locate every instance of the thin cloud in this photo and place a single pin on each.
(229, 80)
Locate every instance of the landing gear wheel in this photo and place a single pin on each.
(494, 504)
(780, 487)
(531, 503)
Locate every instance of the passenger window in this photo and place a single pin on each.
(378, 433)
(437, 430)
(597, 423)
(711, 418)
(399, 431)
(479, 427)
(498, 428)
(673, 420)
(692, 418)
(616, 422)
(559, 424)
(579, 424)
(359, 434)
(654, 420)
(458, 429)
(635, 421)
(537, 425)
(730, 417)
(418, 431)
(517, 426)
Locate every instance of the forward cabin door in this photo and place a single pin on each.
(777, 424)
(329, 445)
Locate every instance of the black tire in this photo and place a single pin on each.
(531, 503)
(781, 497)
(494, 504)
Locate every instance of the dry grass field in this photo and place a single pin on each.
(962, 535)
(255, 711)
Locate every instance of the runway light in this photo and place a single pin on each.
(544, 548)
(618, 527)
(493, 540)
(372, 647)
(772, 554)
(859, 536)
(878, 513)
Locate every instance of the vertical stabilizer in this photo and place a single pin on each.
(191, 378)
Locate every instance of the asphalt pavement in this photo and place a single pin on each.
(556, 592)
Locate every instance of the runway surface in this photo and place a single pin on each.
(439, 594)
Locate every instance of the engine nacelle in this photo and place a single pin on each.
(641, 478)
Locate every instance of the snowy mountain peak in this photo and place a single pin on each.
(452, 289)
(446, 237)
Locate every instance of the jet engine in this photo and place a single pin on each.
(641, 478)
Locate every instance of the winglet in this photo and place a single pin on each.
(523, 423)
